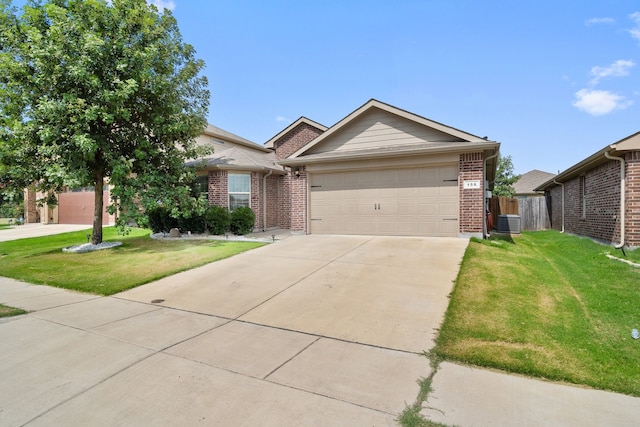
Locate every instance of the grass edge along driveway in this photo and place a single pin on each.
(546, 305)
(137, 261)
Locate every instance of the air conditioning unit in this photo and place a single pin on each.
(509, 224)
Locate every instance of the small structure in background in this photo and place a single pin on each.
(525, 186)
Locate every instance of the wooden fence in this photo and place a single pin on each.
(534, 214)
(533, 211)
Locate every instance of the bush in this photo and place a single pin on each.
(156, 219)
(242, 220)
(160, 220)
(217, 219)
(195, 224)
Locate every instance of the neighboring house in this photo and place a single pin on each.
(525, 185)
(73, 207)
(379, 171)
(599, 197)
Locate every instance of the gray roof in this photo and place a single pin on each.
(224, 134)
(240, 158)
(531, 180)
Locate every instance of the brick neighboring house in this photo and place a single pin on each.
(587, 200)
(380, 170)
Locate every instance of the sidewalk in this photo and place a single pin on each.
(468, 397)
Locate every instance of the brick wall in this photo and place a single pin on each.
(284, 201)
(633, 199)
(218, 188)
(256, 200)
(471, 200)
(298, 192)
(31, 214)
(292, 190)
(219, 196)
(272, 201)
(295, 139)
(599, 217)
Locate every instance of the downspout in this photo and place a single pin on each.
(264, 200)
(561, 184)
(622, 198)
(485, 232)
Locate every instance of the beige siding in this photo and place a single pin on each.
(410, 201)
(379, 129)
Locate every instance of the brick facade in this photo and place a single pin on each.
(592, 202)
(471, 217)
(633, 199)
(284, 201)
(218, 193)
(31, 214)
(219, 188)
(298, 195)
(292, 191)
(295, 139)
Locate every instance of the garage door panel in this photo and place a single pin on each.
(416, 201)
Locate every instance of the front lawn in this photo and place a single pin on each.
(548, 305)
(6, 311)
(139, 260)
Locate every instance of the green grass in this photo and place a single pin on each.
(139, 260)
(547, 305)
(6, 311)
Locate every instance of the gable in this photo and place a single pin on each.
(377, 129)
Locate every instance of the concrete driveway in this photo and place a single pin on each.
(311, 330)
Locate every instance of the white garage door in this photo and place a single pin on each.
(397, 202)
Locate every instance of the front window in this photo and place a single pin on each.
(239, 190)
(201, 186)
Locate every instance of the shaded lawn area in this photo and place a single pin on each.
(548, 305)
(139, 260)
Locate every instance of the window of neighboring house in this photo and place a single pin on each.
(239, 190)
(202, 185)
(583, 194)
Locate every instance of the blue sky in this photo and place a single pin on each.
(553, 81)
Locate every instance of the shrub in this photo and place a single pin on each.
(195, 224)
(156, 219)
(217, 219)
(160, 220)
(242, 220)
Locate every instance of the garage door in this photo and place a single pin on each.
(397, 202)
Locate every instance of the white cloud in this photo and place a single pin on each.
(599, 102)
(593, 21)
(163, 4)
(282, 119)
(619, 68)
(635, 32)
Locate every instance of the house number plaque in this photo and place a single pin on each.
(471, 185)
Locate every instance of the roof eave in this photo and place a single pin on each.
(253, 168)
(349, 156)
(210, 130)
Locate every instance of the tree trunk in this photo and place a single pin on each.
(96, 236)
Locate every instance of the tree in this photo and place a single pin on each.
(505, 178)
(95, 92)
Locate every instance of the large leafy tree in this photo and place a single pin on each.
(96, 92)
(505, 178)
